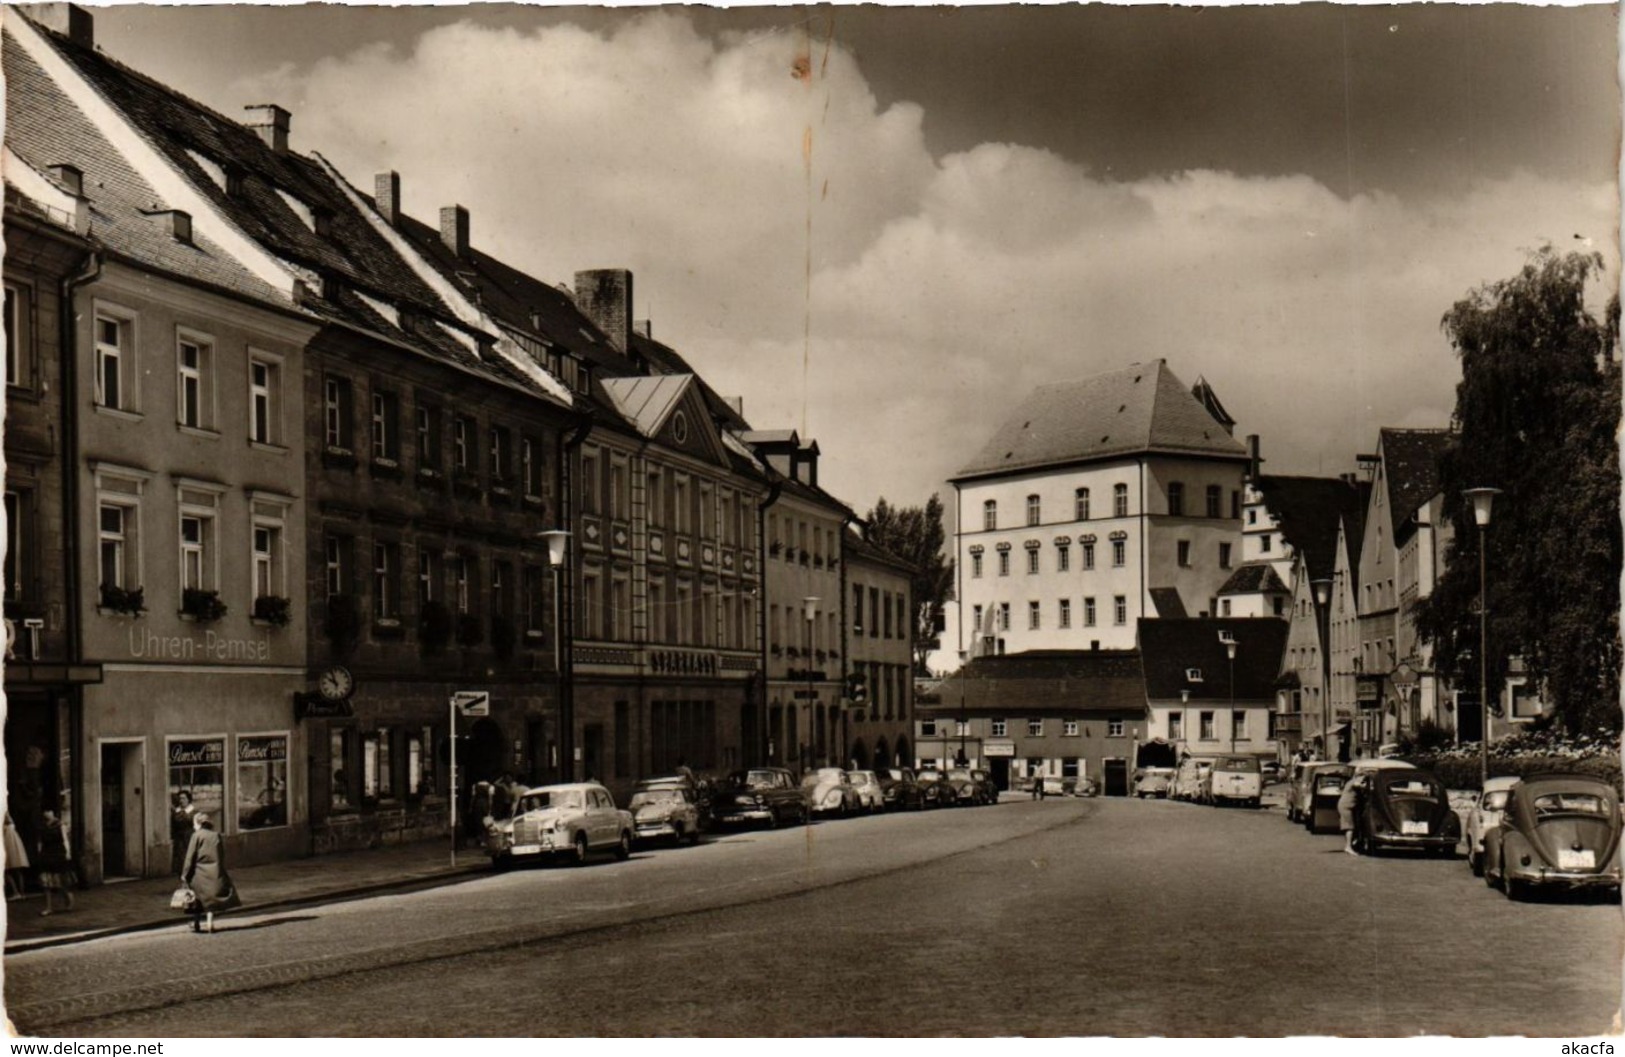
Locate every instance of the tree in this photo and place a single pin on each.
(915, 534)
(1537, 415)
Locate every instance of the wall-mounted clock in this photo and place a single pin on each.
(335, 684)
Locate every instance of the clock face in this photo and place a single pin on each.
(336, 683)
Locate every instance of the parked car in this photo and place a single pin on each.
(1054, 786)
(1270, 771)
(1188, 778)
(1485, 815)
(665, 808)
(1153, 781)
(972, 790)
(1301, 786)
(761, 794)
(1233, 780)
(867, 785)
(938, 791)
(1405, 808)
(567, 821)
(1085, 786)
(900, 790)
(1557, 832)
(1324, 785)
(829, 793)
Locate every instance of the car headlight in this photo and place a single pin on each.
(559, 825)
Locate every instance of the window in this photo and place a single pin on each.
(268, 562)
(1114, 728)
(1176, 499)
(502, 589)
(1224, 607)
(928, 728)
(1032, 616)
(1035, 728)
(976, 620)
(961, 728)
(1238, 725)
(1089, 554)
(1119, 500)
(1224, 555)
(461, 577)
(338, 565)
(501, 453)
(385, 580)
(874, 612)
(194, 380)
(1034, 510)
(114, 369)
(336, 413)
(1063, 616)
(1119, 553)
(199, 553)
(990, 515)
(1069, 728)
(1063, 557)
(1004, 616)
(1184, 550)
(18, 342)
(1207, 727)
(999, 728)
(1004, 561)
(886, 618)
(116, 537)
(976, 565)
(535, 598)
(263, 409)
(680, 512)
(1235, 504)
(1080, 504)
(655, 504)
(386, 441)
(428, 437)
(530, 468)
(1264, 543)
(1032, 561)
(338, 760)
(1088, 612)
(1176, 726)
(1213, 501)
(16, 540)
(1252, 517)
(428, 576)
(462, 446)
(1120, 609)
(262, 782)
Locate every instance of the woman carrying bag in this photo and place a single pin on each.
(204, 872)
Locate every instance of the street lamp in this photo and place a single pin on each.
(558, 541)
(1230, 651)
(1184, 712)
(1483, 499)
(809, 610)
(1323, 595)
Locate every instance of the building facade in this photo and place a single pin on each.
(1210, 684)
(878, 654)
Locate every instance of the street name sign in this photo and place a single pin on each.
(472, 702)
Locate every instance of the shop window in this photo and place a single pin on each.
(342, 794)
(198, 767)
(262, 781)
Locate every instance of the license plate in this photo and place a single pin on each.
(527, 849)
(1414, 829)
(1568, 859)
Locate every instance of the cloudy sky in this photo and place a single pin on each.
(883, 226)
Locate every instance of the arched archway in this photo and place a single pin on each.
(858, 755)
(883, 760)
(903, 758)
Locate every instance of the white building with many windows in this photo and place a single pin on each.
(1098, 502)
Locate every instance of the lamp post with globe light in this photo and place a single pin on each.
(1323, 596)
(1483, 499)
(558, 541)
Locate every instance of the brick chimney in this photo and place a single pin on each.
(69, 20)
(454, 230)
(270, 122)
(604, 296)
(386, 196)
(1254, 459)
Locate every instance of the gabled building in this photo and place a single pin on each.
(1097, 503)
(1210, 684)
(878, 654)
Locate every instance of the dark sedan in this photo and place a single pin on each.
(761, 794)
(1557, 832)
(900, 790)
(1406, 808)
(938, 790)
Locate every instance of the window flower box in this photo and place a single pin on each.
(130, 601)
(273, 610)
(202, 606)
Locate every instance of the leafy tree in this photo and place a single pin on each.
(915, 534)
(1537, 415)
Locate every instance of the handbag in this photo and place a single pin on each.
(183, 899)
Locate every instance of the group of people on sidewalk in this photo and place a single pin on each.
(48, 861)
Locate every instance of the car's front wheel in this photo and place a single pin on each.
(623, 850)
(578, 850)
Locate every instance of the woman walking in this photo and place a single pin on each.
(16, 862)
(1348, 810)
(204, 872)
(55, 871)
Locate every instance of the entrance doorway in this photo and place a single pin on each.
(1000, 766)
(1116, 777)
(124, 849)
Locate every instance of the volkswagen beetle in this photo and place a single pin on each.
(1558, 832)
(1406, 808)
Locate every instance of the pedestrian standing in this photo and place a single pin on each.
(55, 871)
(1348, 809)
(16, 862)
(204, 872)
(180, 829)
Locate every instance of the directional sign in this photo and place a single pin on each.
(472, 702)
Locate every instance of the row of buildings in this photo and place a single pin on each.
(287, 468)
(1132, 587)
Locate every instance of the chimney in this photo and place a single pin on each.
(1253, 458)
(454, 230)
(604, 296)
(69, 20)
(270, 123)
(386, 196)
(70, 179)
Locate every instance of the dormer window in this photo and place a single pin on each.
(306, 215)
(1193, 675)
(212, 169)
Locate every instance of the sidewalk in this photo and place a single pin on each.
(130, 906)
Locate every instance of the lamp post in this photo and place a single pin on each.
(1483, 499)
(1184, 709)
(809, 610)
(1323, 595)
(1230, 651)
(558, 541)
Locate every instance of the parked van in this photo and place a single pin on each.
(1234, 779)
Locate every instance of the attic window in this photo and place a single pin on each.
(1193, 675)
(306, 215)
(679, 427)
(212, 169)
(383, 308)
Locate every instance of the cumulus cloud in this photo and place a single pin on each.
(940, 289)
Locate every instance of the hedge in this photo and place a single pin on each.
(1461, 772)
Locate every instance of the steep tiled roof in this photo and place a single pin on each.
(1169, 647)
(1410, 462)
(1045, 681)
(1252, 579)
(1308, 510)
(667, 360)
(858, 547)
(1168, 601)
(1139, 409)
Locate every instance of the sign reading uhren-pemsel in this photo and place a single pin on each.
(212, 647)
